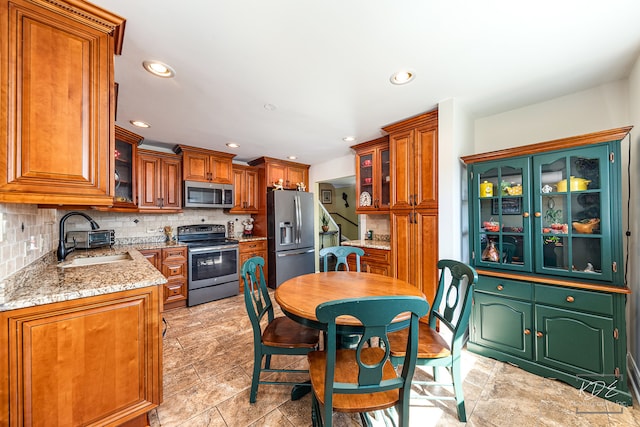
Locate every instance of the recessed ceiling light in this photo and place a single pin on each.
(402, 77)
(349, 138)
(269, 107)
(158, 69)
(140, 123)
(292, 157)
(232, 145)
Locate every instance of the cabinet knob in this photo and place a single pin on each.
(500, 287)
(570, 299)
(527, 331)
(539, 334)
(525, 214)
(537, 214)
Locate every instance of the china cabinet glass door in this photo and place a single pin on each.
(384, 195)
(502, 205)
(124, 173)
(572, 217)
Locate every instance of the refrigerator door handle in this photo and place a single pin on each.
(289, 253)
(296, 202)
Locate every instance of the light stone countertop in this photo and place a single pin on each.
(44, 281)
(374, 244)
(250, 239)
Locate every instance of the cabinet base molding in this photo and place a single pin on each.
(614, 390)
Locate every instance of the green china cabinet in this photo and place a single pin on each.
(546, 238)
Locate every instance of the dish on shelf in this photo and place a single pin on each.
(365, 199)
(576, 184)
(586, 226)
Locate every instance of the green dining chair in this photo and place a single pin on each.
(276, 335)
(340, 253)
(450, 310)
(363, 379)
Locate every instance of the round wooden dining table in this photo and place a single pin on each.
(298, 297)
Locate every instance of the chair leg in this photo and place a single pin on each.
(457, 388)
(267, 363)
(316, 419)
(255, 379)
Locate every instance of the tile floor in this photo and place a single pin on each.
(208, 359)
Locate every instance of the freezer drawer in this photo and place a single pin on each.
(288, 264)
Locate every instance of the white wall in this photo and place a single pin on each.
(633, 273)
(455, 138)
(596, 109)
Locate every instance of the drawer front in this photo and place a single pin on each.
(505, 287)
(253, 246)
(376, 256)
(574, 299)
(179, 253)
(174, 270)
(174, 291)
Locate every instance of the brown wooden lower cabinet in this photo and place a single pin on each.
(249, 250)
(414, 245)
(93, 361)
(374, 260)
(172, 263)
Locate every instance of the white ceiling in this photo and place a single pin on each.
(326, 65)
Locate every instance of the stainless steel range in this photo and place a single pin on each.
(213, 262)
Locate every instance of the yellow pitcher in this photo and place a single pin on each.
(486, 189)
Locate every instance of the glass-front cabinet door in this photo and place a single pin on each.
(501, 201)
(572, 224)
(373, 176)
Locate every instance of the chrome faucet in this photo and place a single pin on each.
(63, 250)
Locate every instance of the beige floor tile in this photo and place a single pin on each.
(208, 362)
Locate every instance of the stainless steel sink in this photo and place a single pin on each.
(97, 260)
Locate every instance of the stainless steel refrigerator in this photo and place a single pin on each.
(290, 235)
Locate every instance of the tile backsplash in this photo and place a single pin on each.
(27, 232)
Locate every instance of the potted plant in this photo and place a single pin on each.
(325, 222)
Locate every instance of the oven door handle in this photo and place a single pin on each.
(212, 249)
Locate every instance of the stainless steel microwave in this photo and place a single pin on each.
(207, 195)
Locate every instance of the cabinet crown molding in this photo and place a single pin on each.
(91, 15)
(372, 143)
(180, 148)
(616, 134)
(429, 118)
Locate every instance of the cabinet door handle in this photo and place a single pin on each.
(539, 334)
(570, 299)
(415, 200)
(537, 214)
(500, 287)
(527, 331)
(525, 214)
(410, 199)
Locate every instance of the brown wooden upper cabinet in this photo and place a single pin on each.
(159, 181)
(57, 108)
(203, 165)
(373, 176)
(291, 173)
(413, 145)
(246, 189)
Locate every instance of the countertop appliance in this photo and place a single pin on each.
(212, 262)
(207, 195)
(290, 236)
(88, 239)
